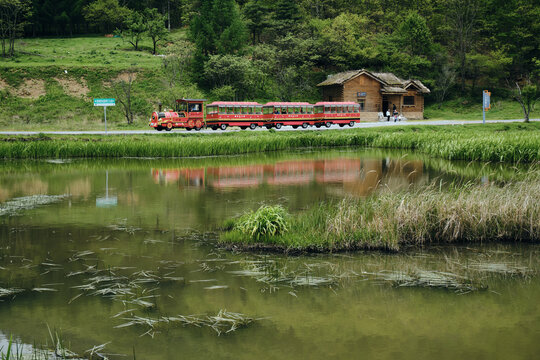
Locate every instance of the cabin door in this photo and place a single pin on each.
(384, 104)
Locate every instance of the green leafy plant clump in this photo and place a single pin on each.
(266, 222)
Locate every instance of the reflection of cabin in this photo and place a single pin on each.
(376, 92)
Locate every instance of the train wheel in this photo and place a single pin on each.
(268, 126)
(305, 125)
(198, 128)
(169, 127)
(243, 127)
(159, 128)
(189, 129)
(351, 123)
(341, 125)
(328, 124)
(253, 126)
(278, 126)
(214, 128)
(223, 126)
(317, 125)
(295, 126)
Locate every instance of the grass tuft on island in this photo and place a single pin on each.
(513, 142)
(390, 221)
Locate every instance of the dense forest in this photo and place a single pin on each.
(281, 48)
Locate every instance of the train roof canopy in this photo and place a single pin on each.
(235, 103)
(334, 103)
(191, 100)
(288, 104)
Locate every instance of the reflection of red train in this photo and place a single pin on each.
(189, 114)
(358, 176)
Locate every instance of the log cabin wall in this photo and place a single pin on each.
(415, 111)
(372, 99)
(333, 93)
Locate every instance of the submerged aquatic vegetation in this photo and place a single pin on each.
(9, 292)
(429, 279)
(223, 322)
(15, 206)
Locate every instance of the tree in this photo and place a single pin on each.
(106, 14)
(177, 63)
(445, 80)
(286, 17)
(415, 35)
(13, 15)
(134, 29)
(256, 21)
(463, 16)
(155, 27)
(526, 96)
(123, 91)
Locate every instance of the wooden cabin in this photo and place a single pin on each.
(376, 92)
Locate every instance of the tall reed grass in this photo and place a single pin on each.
(499, 143)
(460, 214)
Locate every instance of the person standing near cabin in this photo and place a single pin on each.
(387, 114)
(395, 113)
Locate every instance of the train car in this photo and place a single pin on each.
(295, 114)
(188, 114)
(341, 113)
(222, 114)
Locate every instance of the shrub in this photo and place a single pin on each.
(265, 222)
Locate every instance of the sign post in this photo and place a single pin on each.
(486, 104)
(105, 103)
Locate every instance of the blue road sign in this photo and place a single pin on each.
(104, 102)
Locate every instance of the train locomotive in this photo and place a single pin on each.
(190, 114)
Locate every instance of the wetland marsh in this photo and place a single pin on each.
(122, 256)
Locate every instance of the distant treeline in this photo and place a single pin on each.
(281, 48)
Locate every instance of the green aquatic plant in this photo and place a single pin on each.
(267, 221)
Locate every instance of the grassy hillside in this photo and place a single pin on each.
(50, 85)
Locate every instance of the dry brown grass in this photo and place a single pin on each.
(73, 87)
(31, 89)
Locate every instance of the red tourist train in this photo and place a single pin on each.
(189, 114)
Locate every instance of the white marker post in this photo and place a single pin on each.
(486, 104)
(105, 103)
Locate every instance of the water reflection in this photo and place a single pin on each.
(358, 176)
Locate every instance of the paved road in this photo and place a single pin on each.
(287, 128)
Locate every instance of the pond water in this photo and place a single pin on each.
(125, 252)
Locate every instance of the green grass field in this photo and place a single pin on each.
(513, 143)
(50, 83)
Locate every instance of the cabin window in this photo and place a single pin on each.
(230, 110)
(237, 110)
(181, 106)
(222, 110)
(297, 110)
(290, 110)
(350, 109)
(211, 109)
(309, 110)
(356, 108)
(284, 110)
(327, 109)
(319, 109)
(245, 110)
(408, 100)
(362, 104)
(258, 110)
(268, 110)
(333, 110)
(303, 110)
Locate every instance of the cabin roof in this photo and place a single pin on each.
(389, 81)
